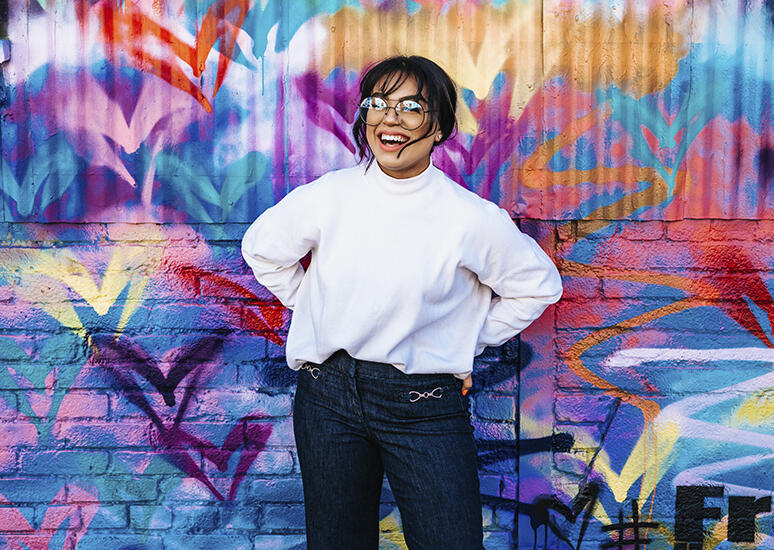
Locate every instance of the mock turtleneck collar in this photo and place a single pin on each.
(401, 185)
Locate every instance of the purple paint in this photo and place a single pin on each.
(172, 441)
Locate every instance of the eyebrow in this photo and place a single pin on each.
(415, 97)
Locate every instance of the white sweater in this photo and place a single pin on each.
(402, 270)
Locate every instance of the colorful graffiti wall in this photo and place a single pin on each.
(144, 399)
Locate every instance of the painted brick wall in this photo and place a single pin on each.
(177, 433)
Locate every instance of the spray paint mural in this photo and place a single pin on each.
(143, 398)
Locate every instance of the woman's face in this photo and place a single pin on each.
(388, 137)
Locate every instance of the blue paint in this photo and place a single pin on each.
(52, 168)
(412, 7)
(260, 21)
(559, 161)
(585, 154)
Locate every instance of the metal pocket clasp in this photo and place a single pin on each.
(435, 393)
(314, 371)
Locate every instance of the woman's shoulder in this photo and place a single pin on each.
(466, 200)
(336, 179)
(329, 182)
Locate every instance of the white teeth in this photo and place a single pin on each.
(396, 139)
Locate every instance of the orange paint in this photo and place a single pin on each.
(650, 409)
(708, 290)
(534, 174)
(130, 30)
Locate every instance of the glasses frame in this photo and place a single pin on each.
(363, 112)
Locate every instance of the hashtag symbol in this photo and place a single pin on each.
(633, 527)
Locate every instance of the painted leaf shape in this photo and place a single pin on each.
(191, 186)
(52, 169)
(241, 175)
(131, 30)
(11, 352)
(182, 170)
(8, 184)
(127, 354)
(62, 353)
(20, 362)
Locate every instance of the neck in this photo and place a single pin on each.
(400, 174)
(402, 185)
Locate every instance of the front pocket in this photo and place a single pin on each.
(436, 401)
(312, 368)
(321, 384)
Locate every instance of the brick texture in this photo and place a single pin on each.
(183, 437)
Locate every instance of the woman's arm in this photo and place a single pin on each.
(512, 264)
(278, 239)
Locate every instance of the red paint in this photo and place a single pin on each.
(269, 319)
(130, 30)
(739, 278)
(650, 138)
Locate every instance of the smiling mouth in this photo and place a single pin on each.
(392, 139)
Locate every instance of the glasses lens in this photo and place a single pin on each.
(372, 110)
(411, 114)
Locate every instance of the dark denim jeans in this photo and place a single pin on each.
(356, 420)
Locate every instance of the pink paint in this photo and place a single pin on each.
(40, 403)
(83, 405)
(721, 163)
(81, 511)
(147, 120)
(18, 434)
(7, 463)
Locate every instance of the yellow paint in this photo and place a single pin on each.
(391, 534)
(642, 462)
(49, 277)
(67, 269)
(133, 301)
(473, 44)
(653, 449)
(718, 532)
(757, 410)
(531, 427)
(528, 43)
(649, 459)
(639, 55)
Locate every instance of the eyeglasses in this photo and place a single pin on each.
(410, 113)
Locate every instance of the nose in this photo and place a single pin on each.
(391, 115)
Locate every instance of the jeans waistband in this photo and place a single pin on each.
(346, 364)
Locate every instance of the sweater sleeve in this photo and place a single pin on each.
(512, 264)
(279, 238)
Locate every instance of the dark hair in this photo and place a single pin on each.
(433, 85)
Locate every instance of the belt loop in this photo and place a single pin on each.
(353, 364)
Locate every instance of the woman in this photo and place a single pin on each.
(395, 303)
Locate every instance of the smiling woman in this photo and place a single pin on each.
(398, 133)
(387, 318)
(404, 115)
